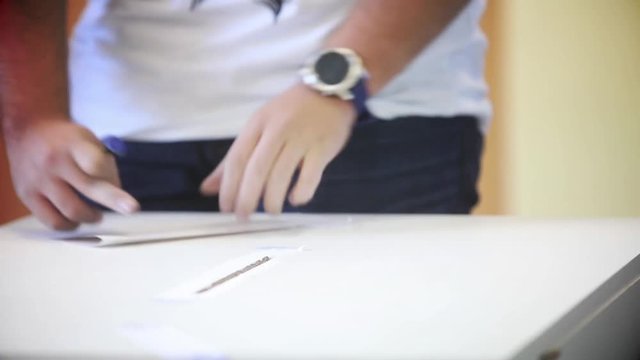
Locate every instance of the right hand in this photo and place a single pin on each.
(53, 157)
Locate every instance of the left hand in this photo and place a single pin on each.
(298, 129)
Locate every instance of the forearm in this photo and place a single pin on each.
(389, 34)
(34, 62)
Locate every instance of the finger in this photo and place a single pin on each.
(100, 191)
(280, 178)
(256, 173)
(310, 175)
(234, 165)
(42, 208)
(107, 195)
(211, 184)
(69, 204)
(96, 162)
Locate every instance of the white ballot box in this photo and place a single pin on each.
(194, 285)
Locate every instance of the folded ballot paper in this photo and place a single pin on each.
(165, 227)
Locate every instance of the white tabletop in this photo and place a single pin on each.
(430, 287)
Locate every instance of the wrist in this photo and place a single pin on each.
(15, 126)
(344, 108)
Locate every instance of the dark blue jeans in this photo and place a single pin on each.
(407, 165)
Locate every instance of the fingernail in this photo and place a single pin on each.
(127, 206)
(225, 206)
(96, 219)
(207, 190)
(241, 213)
(243, 217)
(298, 200)
(274, 210)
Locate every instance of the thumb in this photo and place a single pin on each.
(211, 184)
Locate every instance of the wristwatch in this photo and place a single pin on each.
(338, 72)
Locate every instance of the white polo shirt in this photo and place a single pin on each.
(157, 70)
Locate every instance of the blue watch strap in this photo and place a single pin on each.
(360, 97)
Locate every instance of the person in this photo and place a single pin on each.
(368, 106)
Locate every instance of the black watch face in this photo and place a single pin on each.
(332, 68)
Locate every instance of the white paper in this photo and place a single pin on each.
(109, 237)
(169, 343)
(229, 274)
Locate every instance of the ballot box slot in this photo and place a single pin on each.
(234, 274)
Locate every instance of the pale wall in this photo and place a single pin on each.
(571, 105)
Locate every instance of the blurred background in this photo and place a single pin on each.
(565, 84)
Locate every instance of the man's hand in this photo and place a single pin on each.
(52, 161)
(298, 129)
